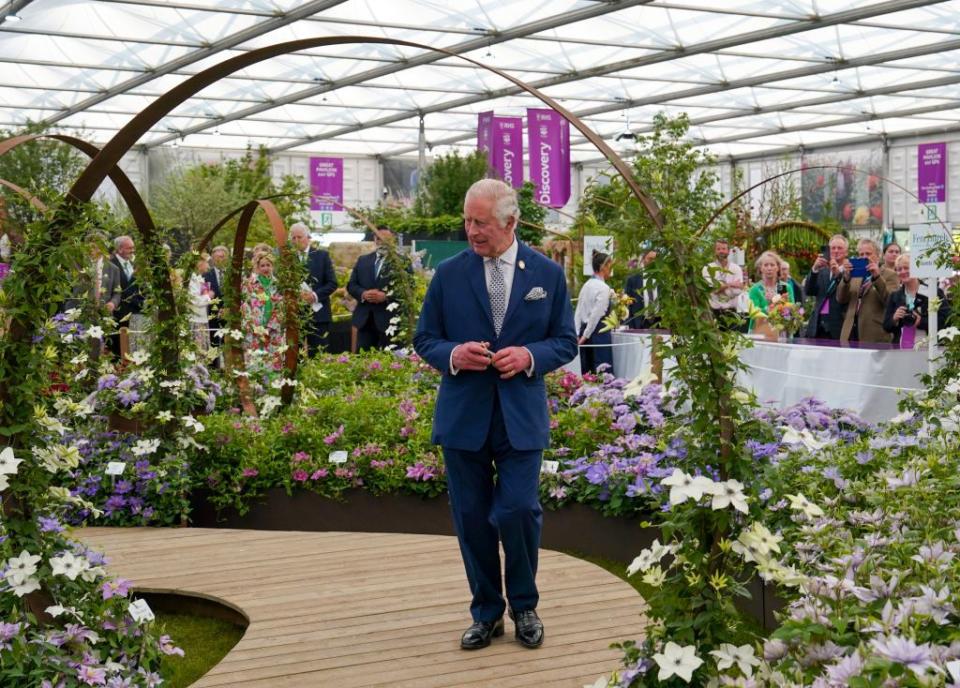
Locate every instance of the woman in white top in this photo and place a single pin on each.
(200, 296)
(593, 304)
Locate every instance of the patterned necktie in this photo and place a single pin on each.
(378, 266)
(498, 295)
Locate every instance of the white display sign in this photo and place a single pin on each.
(549, 467)
(604, 244)
(927, 242)
(338, 456)
(140, 611)
(116, 467)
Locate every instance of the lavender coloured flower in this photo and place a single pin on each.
(49, 524)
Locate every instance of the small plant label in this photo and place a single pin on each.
(116, 467)
(140, 611)
(338, 456)
(549, 466)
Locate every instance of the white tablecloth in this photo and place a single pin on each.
(864, 380)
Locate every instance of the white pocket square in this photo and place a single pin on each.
(535, 294)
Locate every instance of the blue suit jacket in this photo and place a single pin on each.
(457, 310)
(322, 279)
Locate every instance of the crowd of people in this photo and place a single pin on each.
(109, 288)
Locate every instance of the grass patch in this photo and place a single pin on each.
(205, 641)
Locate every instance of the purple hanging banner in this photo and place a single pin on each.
(485, 131)
(932, 172)
(326, 184)
(506, 157)
(549, 137)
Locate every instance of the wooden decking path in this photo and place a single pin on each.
(363, 609)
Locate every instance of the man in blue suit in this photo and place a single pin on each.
(369, 283)
(495, 320)
(321, 282)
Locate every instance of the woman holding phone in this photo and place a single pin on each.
(768, 288)
(908, 308)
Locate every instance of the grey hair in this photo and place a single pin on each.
(764, 256)
(221, 247)
(299, 225)
(503, 196)
(846, 242)
(871, 242)
(120, 239)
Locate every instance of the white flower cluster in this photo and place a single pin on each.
(724, 493)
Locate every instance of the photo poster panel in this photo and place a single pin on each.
(326, 184)
(852, 195)
(549, 150)
(591, 243)
(400, 180)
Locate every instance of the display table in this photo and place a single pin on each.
(865, 378)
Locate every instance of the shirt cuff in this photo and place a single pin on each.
(453, 369)
(528, 371)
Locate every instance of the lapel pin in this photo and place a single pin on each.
(521, 265)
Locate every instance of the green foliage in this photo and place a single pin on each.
(405, 221)
(532, 215)
(46, 169)
(445, 183)
(190, 201)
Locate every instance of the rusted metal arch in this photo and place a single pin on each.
(233, 350)
(29, 197)
(91, 178)
(138, 211)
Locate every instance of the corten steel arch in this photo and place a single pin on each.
(138, 211)
(233, 350)
(94, 174)
(29, 197)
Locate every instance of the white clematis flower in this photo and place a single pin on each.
(8, 462)
(742, 656)
(677, 661)
(729, 493)
(21, 568)
(144, 447)
(28, 585)
(69, 565)
(684, 487)
(800, 503)
(804, 437)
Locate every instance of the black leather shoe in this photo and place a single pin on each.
(480, 633)
(529, 627)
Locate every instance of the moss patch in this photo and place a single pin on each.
(205, 641)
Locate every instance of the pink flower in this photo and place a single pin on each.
(287, 429)
(300, 457)
(421, 472)
(396, 366)
(343, 473)
(320, 473)
(167, 647)
(300, 475)
(376, 365)
(250, 473)
(343, 359)
(334, 436)
(91, 675)
(406, 431)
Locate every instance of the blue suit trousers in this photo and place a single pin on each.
(494, 499)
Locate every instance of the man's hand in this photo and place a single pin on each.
(374, 296)
(582, 340)
(110, 306)
(309, 296)
(818, 264)
(873, 269)
(471, 356)
(837, 269)
(510, 361)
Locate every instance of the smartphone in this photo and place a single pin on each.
(859, 267)
(781, 288)
(825, 252)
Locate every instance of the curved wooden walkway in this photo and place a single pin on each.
(367, 609)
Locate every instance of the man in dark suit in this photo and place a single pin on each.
(495, 320)
(321, 282)
(131, 299)
(826, 321)
(97, 292)
(219, 258)
(369, 283)
(642, 310)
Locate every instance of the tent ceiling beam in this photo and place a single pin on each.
(655, 58)
(234, 39)
(425, 58)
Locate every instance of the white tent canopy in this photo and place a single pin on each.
(755, 76)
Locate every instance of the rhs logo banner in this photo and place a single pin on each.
(326, 184)
(549, 146)
(502, 139)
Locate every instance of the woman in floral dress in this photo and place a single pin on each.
(262, 316)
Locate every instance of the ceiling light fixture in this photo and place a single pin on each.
(11, 18)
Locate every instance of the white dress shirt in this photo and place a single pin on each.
(592, 305)
(508, 261)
